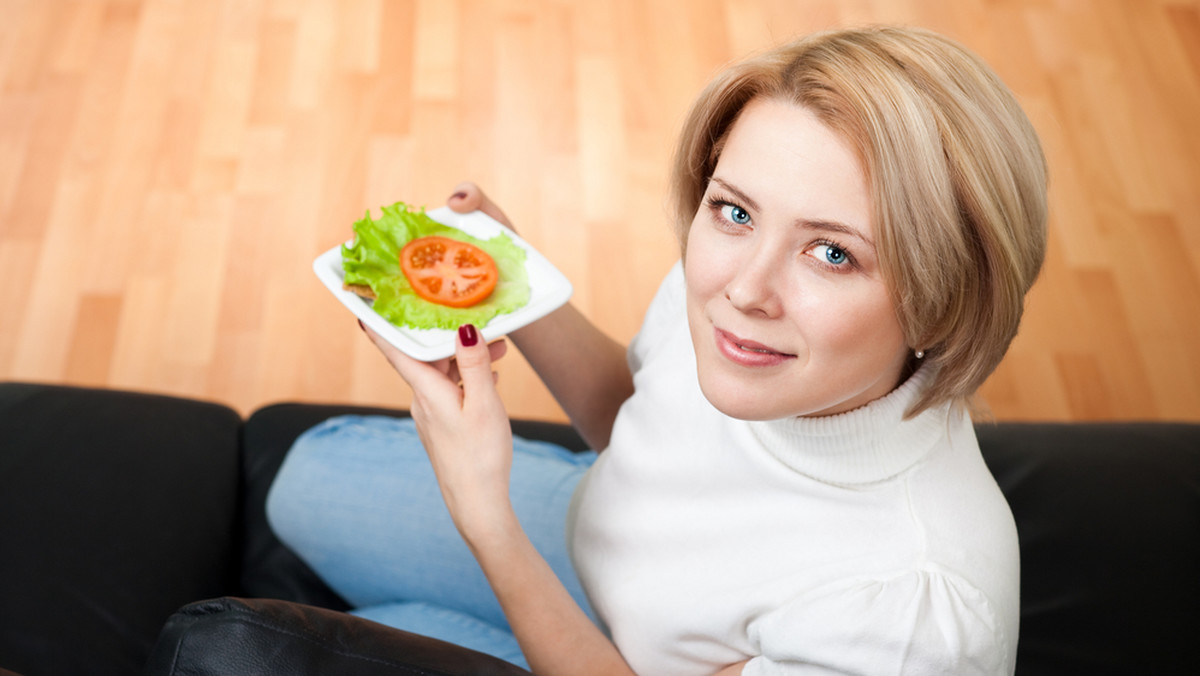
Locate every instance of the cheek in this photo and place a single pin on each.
(861, 322)
(704, 268)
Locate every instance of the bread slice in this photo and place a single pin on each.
(360, 289)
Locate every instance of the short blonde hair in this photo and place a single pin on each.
(956, 174)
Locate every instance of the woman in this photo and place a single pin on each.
(790, 481)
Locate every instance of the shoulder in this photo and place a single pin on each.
(667, 312)
(915, 622)
(672, 292)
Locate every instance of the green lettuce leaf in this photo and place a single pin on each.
(373, 259)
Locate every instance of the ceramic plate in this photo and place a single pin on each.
(548, 287)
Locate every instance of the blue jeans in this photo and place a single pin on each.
(357, 500)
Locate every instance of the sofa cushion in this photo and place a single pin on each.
(116, 508)
(1108, 516)
(257, 637)
(271, 570)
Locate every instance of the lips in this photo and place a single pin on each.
(748, 352)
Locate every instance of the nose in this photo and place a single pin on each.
(754, 287)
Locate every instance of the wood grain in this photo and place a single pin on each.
(169, 169)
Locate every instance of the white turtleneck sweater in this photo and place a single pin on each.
(856, 543)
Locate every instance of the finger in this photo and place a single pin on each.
(497, 349)
(474, 365)
(468, 197)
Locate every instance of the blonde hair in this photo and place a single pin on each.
(956, 174)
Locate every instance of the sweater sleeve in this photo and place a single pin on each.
(917, 622)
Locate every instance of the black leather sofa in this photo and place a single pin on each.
(133, 540)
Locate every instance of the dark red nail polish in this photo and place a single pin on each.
(459, 196)
(468, 335)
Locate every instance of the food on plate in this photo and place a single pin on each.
(448, 271)
(373, 269)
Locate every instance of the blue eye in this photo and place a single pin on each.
(735, 214)
(834, 255)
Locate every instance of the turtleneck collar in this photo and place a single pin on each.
(869, 444)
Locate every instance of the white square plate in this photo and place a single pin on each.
(548, 290)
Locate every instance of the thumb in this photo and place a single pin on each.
(474, 364)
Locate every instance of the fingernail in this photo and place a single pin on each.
(468, 335)
(460, 195)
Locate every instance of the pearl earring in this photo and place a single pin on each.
(920, 354)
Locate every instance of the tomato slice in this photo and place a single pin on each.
(448, 272)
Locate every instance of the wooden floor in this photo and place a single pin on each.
(170, 168)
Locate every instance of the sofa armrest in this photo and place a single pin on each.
(262, 637)
(1108, 516)
(116, 508)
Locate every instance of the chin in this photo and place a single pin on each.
(736, 403)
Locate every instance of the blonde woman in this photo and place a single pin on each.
(789, 480)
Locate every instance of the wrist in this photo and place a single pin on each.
(494, 538)
(484, 523)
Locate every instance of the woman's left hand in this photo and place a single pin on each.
(463, 424)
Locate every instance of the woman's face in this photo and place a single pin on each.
(786, 303)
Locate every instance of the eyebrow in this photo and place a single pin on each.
(817, 224)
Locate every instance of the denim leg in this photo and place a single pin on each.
(356, 499)
(450, 626)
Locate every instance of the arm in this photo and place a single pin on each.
(554, 634)
(469, 441)
(582, 367)
(539, 609)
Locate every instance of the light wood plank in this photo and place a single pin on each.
(168, 171)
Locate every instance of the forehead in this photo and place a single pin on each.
(783, 156)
